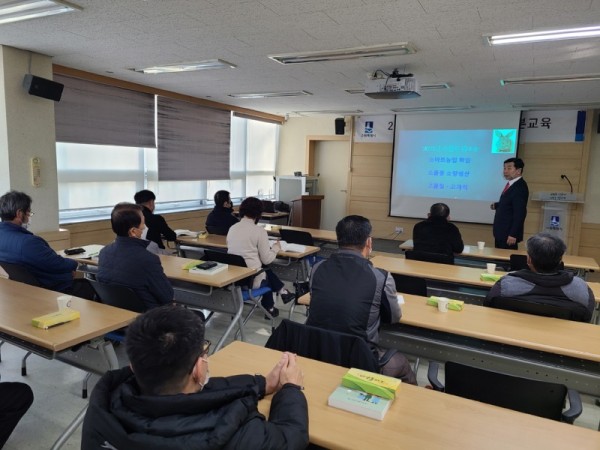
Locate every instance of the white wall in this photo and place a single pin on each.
(292, 141)
(27, 130)
(591, 207)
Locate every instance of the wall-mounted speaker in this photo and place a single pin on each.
(41, 87)
(340, 125)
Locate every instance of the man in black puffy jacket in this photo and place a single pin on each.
(166, 401)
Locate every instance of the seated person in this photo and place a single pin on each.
(164, 398)
(252, 242)
(221, 217)
(351, 296)
(15, 400)
(437, 234)
(128, 262)
(157, 225)
(20, 246)
(543, 279)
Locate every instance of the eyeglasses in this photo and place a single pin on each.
(205, 347)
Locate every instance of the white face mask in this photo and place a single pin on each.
(144, 233)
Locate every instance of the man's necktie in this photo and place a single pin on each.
(506, 187)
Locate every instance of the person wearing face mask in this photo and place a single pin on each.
(166, 398)
(19, 246)
(157, 228)
(128, 262)
(351, 296)
(221, 218)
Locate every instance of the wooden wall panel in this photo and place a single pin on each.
(58, 240)
(100, 231)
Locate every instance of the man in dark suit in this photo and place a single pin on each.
(511, 209)
(157, 225)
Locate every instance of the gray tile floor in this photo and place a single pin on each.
(57, 387)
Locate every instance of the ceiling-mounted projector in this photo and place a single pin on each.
(395, 86)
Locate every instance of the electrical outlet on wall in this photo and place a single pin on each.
(399, 230)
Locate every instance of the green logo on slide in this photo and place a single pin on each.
(504, 141)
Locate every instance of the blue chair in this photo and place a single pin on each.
(250, 295)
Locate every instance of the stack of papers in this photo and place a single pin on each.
(186, 233)
(287, 247)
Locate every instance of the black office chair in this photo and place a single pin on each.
(217, 230)
(118, 296)
(327, 346)
(440, 258)
(540, 398)
(297, 237)
(17, 272)
(251, 296)
(547, 307)
(519, 262)
(410, 285)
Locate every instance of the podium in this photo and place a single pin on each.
(306, 211)
(556, 211)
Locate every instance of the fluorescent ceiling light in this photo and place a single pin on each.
(31, 9)
(423, 87)
(188, 67)
(566, 105)
(398, 48)
(271, 94)
(548, 35)
(433, 108)
(338, 112)
(552, 79)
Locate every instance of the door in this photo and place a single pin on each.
(332, 163)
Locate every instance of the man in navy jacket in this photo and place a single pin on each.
(22, 247)
(511, 209)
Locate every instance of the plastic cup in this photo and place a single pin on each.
(467, 249)
(64, 302)
(491, 268)
(400, 299)
(480, 245)
(443, 304)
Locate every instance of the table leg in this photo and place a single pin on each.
(236, 294)
(70, 429)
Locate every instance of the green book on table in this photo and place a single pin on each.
(359, 402)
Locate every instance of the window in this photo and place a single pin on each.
(93, 178)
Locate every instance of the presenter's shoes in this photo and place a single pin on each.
(287, 297)
(274, 312)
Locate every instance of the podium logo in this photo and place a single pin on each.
(554, 221)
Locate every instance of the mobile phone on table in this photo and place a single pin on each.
(207, 265)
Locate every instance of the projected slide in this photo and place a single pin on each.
(456, 159)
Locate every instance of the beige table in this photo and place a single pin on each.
(19, 303)
(491, 254)
(196, 290)
(489, 337)
(446, 273)
(418, 418)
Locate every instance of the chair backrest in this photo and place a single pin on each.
(323, 345)
(550, 307)
(297, 237)
(518, 262)
(19, 273)
(410, 285)
(224, 258)
(118, 295)
(440, 258)
(540, 398)
(222, 231)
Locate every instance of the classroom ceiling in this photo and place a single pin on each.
(110, 37)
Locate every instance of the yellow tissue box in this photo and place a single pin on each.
(372, 383)
(490, 276)
(56, 318)
(189, 265)
(454, 305)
